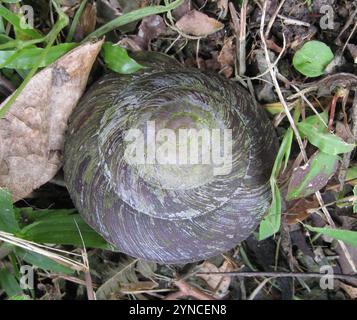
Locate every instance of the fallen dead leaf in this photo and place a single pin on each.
(150, 28)
(181, 10)
(32, 132)
(218, 283)
(198, 24)
(299, 210)
(226, 57)
(351, 291)
(87, 22)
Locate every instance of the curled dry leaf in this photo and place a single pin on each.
(150, 28)
(198, 24)
(227, 56)
(32, 132)
(217, 282)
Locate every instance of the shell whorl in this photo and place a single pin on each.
(170, 214)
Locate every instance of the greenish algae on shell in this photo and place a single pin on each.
(196, 215)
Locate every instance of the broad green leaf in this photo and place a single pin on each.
(313, 58)
(347, 236)
(9, 283)
(8, 222)
(63, 229)
(42, 262)
(29, 215)
(271, 223)
(117, 59)
(319, 122)
(4, 38)
(27, 58)
(313, 176)
(326, 142)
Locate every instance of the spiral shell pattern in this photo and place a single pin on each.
(168, 213)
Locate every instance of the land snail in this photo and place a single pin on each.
(169, 211)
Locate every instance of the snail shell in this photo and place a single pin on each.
(168, 213)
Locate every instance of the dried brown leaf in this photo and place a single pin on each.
(227, 56)
(218, 283)
(351, 291)
(87, 22)
(32, 132)
(198, 24)
(181, 10)
(150, 28)
(299, 210)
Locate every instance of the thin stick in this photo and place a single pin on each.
(273, 18)
(349, 37)
(87, 275)
(259, 288)
(242, 38)
(346, 26)
(27, 245)
(294, 22)
(281, 275)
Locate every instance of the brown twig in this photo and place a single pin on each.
(332, 112)
(346, 26)
(273, 18)
(349, 37)
(281, 275)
